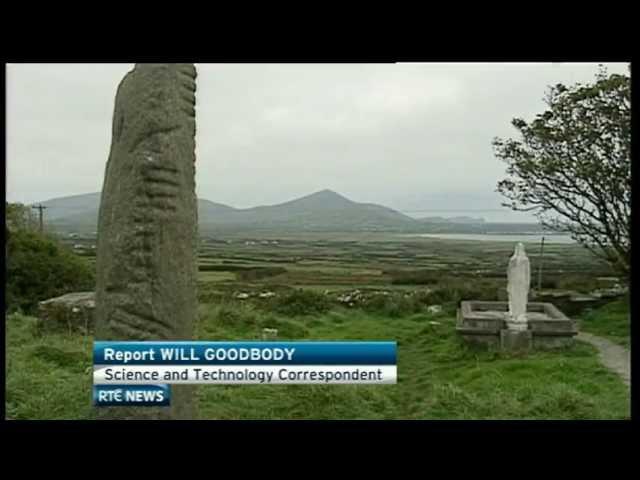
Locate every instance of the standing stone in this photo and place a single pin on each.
(518, 282)
(147, 227)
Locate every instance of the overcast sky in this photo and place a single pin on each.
(409, 136)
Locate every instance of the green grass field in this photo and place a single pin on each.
(612, 321)
(49, 377)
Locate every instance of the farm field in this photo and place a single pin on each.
(348, 288)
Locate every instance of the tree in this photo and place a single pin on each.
(38, 265)
(19, 217)
(572, 167)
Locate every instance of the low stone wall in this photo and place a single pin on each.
(73, 312)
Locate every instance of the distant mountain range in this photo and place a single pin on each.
(321, 211)
(466, 220)
(325, 210)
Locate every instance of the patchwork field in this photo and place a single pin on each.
(386, 262)
(368, 288)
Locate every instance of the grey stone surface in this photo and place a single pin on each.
(70, 312)
(147, 227)
(269, 333)
(549, 327)
(516, 340)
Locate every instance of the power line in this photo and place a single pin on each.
(40, 208)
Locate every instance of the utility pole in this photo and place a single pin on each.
(540, 266)
(40, 208)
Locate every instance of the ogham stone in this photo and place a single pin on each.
(147, 227)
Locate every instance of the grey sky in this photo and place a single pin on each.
(409, 136)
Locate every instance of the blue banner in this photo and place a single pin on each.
(131, 395)
(244, 353)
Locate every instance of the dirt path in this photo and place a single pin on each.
(613, 356)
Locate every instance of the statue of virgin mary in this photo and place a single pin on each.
(518, 282)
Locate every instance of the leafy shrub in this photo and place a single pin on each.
(289, 329)
(549, 283)
(456, 293)
(257, 273)
(300, 302)
(39, 267)
(235, 314)
(209, 293)
(414, 277)
(393, 306)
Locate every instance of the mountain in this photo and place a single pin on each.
(321, 211)
(64, 207)
(466, 220)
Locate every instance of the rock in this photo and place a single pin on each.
(434, 309)
(267, 295)
(582, 298)
(73, 312)
(351, 297)
(516, 340)
(241, 296)
(268, 333)
(616, 291)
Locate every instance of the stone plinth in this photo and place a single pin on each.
(482, 323)
(516, 340)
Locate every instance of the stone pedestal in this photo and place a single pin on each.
(482, 323)
(516, 340)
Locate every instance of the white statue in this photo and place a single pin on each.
(518, 281)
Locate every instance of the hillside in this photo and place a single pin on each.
(80, 212)
(321, 211)
(463, 219)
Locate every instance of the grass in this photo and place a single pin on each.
(49, 377)
(438, 376)
(612, 321)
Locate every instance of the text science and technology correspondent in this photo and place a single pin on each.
(255, 374)
(141, 373)
(244, 362)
